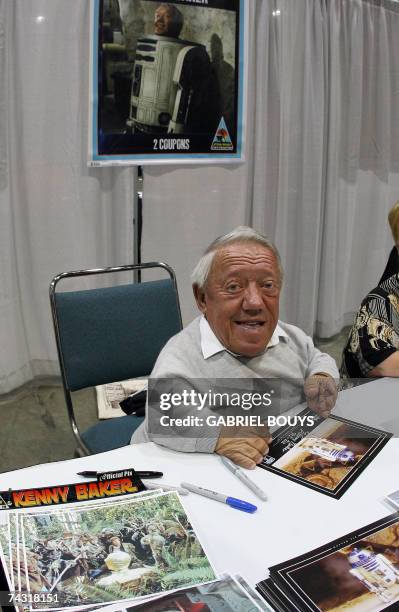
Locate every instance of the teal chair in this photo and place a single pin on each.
(111, 334)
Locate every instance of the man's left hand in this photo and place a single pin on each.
(321, 393)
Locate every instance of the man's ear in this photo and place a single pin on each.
(200, 298)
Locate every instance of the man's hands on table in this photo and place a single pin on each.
(245, 446)
(321, 393)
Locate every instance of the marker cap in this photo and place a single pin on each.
(239, 504)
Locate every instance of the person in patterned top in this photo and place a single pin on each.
(373, 344)
(392, 266)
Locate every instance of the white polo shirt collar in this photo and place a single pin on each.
(211, 345)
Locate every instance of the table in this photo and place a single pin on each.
(294, 519)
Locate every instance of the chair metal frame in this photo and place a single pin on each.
(52, 291)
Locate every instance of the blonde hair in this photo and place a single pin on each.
(393, 218)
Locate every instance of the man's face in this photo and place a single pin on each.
(163, 21)
(241, 298)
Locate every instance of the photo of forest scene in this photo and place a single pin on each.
(112, 553)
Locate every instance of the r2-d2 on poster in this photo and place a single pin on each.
(163, 86)
(169, 78)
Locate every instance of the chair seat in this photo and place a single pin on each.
(112, 433)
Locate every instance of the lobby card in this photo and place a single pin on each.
(357, 572)
(13, 549)
(5, 546)
(18, 563)
(225, 594)
(114, 552)
(25, 563)
(326, 455)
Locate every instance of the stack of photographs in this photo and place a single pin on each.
(357, 572)
(226, 594)
(96, 553)
(326, 455)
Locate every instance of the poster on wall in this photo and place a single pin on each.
(167, 82)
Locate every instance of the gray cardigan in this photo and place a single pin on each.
(294, 358)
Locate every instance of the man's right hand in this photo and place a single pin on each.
(247, 449)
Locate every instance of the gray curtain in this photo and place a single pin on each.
(56, 214)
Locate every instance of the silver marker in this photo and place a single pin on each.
(165, 487)
(244, 478)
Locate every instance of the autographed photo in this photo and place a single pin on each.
(328, 457)
(166, 81)
(359, 572)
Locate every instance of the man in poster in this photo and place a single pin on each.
(171, 86)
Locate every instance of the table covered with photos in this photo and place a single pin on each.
(327, 533)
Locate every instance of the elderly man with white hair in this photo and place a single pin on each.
(238, 335)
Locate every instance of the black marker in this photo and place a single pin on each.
(140, 474)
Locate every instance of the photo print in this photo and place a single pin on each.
(5, 546)
(113, 551)
(358, 572)
(327, 456)
(223, 594)
(17, 563)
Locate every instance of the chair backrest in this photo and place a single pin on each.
(114, 333)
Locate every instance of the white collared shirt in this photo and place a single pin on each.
(210, 344)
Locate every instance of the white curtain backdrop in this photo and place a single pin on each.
(56, 214)
(322, 167)
(323, 160)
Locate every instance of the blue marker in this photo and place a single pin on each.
(238, 504)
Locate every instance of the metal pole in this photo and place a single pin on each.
(138, 223)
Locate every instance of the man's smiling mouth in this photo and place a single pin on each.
(251, 323)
